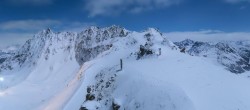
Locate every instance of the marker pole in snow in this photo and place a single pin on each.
(159, 51)
(121, 63)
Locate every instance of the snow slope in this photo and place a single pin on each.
(32, 85)
(66, 70)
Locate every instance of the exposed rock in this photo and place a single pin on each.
(183, 50)
(90, 42)
(90, 97)
(144, 51)
(115, 106)
(88, 89)
(83, 108)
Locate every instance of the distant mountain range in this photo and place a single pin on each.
(234, 55)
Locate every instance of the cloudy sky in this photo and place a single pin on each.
(21, 18)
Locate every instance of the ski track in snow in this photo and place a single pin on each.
(61, 99)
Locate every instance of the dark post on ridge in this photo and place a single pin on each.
(121, 63)
(159, 51)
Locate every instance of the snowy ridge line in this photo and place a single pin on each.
(49, 61)
(69, 71)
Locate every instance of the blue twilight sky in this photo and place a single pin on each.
(21, 18)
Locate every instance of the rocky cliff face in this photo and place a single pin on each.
(233, 55)
(95, 40)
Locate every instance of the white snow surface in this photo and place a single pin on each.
(171, 81)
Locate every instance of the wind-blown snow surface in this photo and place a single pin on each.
(170, 81)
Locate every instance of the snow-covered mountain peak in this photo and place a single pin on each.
(154, 31)
(41, 46)
(86, 45)
(96, 40)
(112, 67)
(92, 41)
(234, 55)
(48, 30)
(187, 41)
(53, 47)
(45, 32)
